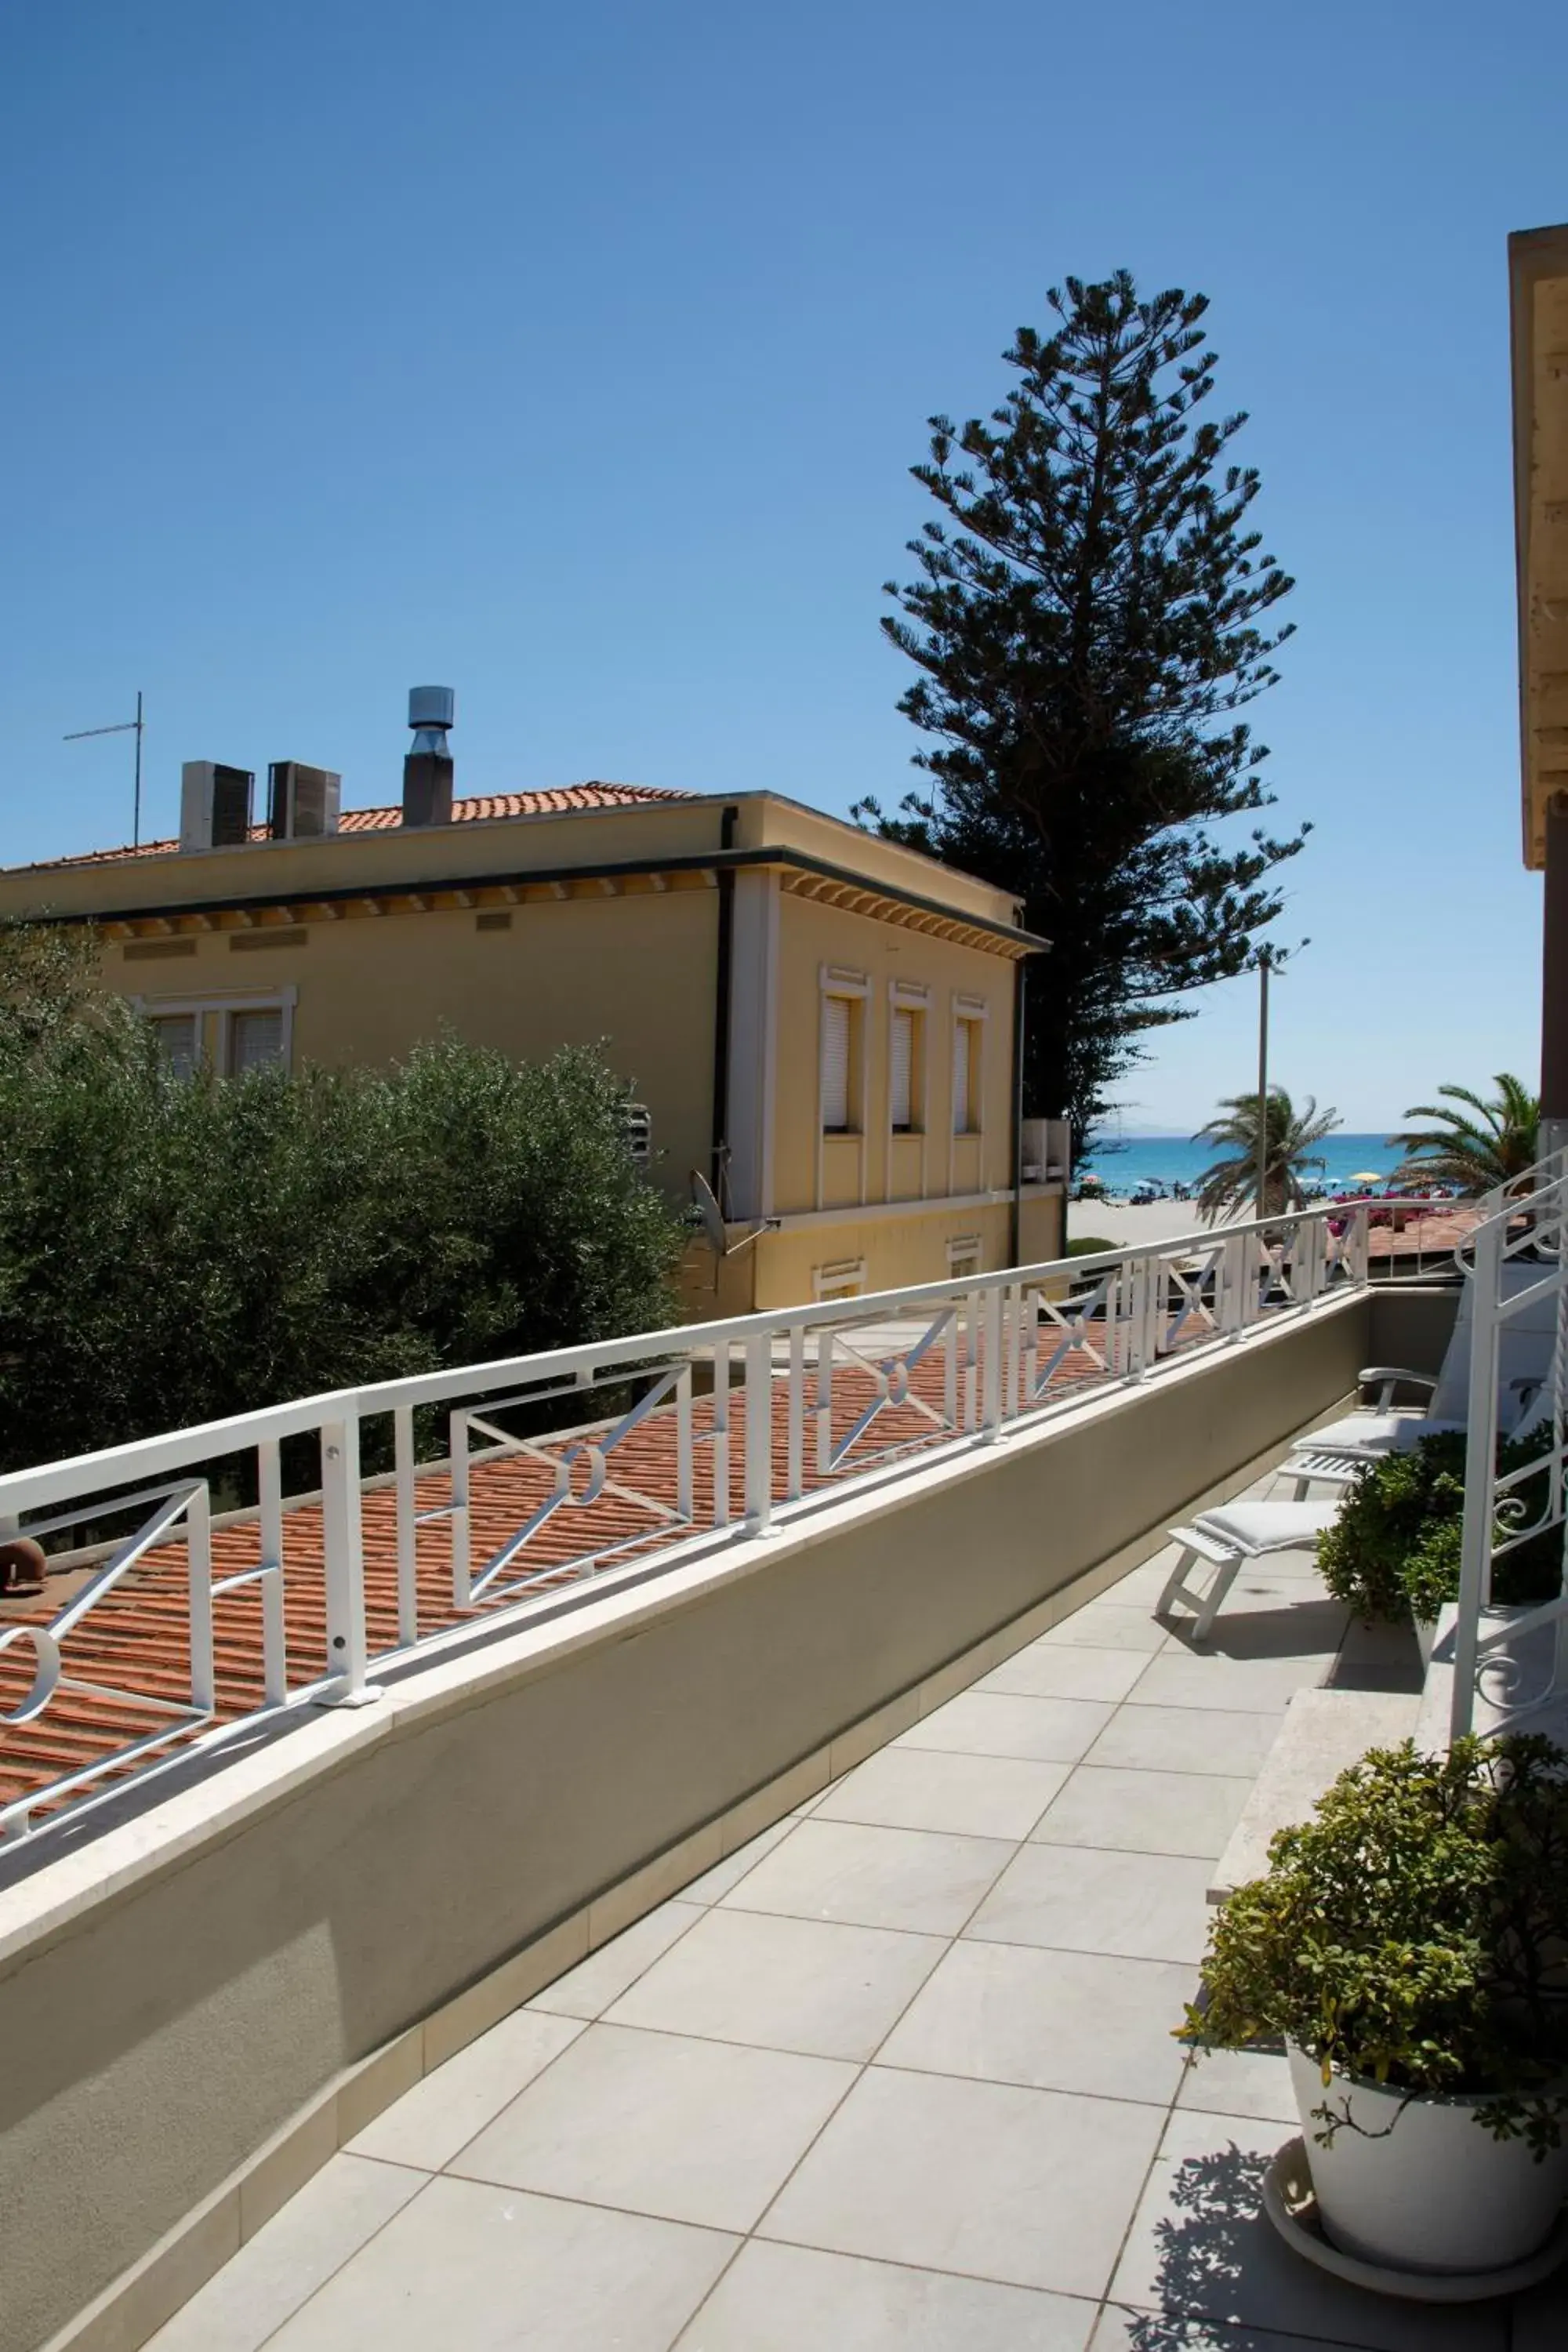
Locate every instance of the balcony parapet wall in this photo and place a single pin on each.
(198, 2005)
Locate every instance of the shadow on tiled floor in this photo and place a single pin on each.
(899, 2077)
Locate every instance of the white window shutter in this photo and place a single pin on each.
(177, 1042)
(900, 1080)
(960, 1078)
(834, 1062)
(256, 1039)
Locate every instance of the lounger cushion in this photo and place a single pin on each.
(1268, 1527)
(1371, 1433)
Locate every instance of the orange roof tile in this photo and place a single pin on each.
(474, 808)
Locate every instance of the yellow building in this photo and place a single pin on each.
(821, 1024)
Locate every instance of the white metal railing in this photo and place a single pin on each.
(1516, 1660)
(710, 1432)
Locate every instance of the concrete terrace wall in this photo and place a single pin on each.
(193, 1980)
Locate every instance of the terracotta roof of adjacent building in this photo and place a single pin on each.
(475, 808)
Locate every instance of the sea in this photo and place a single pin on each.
(1128, 1161)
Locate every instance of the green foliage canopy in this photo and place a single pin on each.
(1412, 1932)
(1394, 1546)
(175, 1250)
(1093, 609)
(1475, 1147)
(1289, 1141)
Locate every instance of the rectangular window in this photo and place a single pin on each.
(178, 1042)
(901, 1071)
(965, 1077)
(835, 1033)
(963, 1258)
(255, 1040)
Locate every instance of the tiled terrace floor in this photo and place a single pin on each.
(896, 2078)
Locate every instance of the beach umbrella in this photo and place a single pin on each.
(1367, 1176)
(1087, 1179)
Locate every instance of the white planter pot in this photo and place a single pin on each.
(1421, 2186)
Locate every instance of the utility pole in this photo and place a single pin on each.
(125, 727)
(1263, 960)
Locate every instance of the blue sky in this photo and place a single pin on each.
(577, 358)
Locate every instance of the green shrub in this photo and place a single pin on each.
(1089, 1245)
(1412, 1933)
(1395, 1545)
(174, 1251)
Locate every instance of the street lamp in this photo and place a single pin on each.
(1265, 959)
(1268, 960)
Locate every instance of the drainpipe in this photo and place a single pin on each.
(1014, 1216)
(721, 1012)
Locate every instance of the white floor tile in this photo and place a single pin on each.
(932, 1788)
(1254, 2083)
(296, 2252)
(1031, 2188)
(1186, 1739)
(1146, 1907)
(717, 1882)
(1252, 1685)
(1000, 1723)
(873, 1877)
(588, 1989)
(1145, 1812)
(808, 1985)
(663, 2123)
(1201, 2245)
(1053, 2021)
(429, 2124)
(489, 2270)
(793, 2299)
(1105, 1625)
(1051, 1670)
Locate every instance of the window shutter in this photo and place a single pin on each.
(960, 1078)
(177, 1042)
(901, 1075)
(834, 1062)
(256, 1039)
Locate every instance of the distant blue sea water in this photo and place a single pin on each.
(1134, 1160)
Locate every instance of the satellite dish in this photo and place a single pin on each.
(710, 1215)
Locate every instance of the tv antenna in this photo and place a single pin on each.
(125, 727)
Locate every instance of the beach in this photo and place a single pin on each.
(1124, 1227)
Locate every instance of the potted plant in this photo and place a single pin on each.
(1394, 1548)
(1410, 1945)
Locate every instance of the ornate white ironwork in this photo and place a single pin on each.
(734, 1428)
(1519, 1269)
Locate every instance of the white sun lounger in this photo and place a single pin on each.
(1524, 1364)
(1226, 1540)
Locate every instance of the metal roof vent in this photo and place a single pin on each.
(303, 801)
(428, 769)
(214, 805)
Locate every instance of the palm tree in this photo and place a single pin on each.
(1483, 1145)
(1230, 1185)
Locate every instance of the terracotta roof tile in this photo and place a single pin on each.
(474, 808)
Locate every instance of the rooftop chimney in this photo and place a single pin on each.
(427, 768)
(301, 801)
(214, 805)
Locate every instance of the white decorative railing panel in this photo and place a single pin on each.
(199, 1619)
